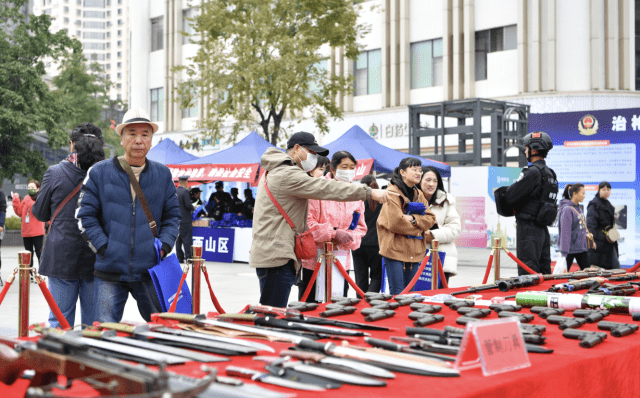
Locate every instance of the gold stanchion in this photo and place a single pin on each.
(497, 246)
(196, 262)
(24, 269)
(328, 262)
(435, 260)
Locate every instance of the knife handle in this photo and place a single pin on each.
(242, 372)
(312, 345)
(180, 317)
(387, 345)
(118, 327)
(303, 355)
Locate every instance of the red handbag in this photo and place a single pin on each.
(305, 245)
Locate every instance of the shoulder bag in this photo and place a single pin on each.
(58, 209)
(305, 246)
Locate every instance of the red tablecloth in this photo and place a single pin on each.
(607, 370)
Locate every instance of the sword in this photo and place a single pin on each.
(333, 322)
(205, 336)
(339, 362)
(322, 372)
(391, 346)
(399, 365)
(112, 336)
(285, 324)
(180, 341)
(269, 379)
(201, 320)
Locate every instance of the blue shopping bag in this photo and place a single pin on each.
(166, 277)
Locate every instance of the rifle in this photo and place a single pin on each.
(55, 355)
(582, 284)
(506, 284)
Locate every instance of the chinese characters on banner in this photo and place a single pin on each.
(363, 167)
(216, 172)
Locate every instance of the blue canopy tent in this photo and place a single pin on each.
(362, 146)
(248, 150)
(167, 152)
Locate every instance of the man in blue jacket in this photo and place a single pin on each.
(113, 223)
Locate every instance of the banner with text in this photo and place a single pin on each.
(217, 243)
(216, 172)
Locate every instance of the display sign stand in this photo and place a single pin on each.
(496, 346)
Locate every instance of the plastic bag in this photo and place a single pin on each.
(561, 265)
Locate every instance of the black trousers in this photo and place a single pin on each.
(185, 239)
(534, 247)
(367, 265)
(581, 258)
(33, 243)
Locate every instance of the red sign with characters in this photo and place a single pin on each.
(215, 172)
(363, 167)
(497, 346)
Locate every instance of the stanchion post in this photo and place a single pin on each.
(328, 262)
(497, 247)
(197, 262)
(24, 261)
(435, 260)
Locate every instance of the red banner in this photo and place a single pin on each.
(363, 167)
(215, 172)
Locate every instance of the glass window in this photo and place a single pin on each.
(94, 14)
(313, 84)
(157, 102)
(187, 25)
(119, 43)
(93, 25)
(119, 11)
(78, 13)
(511, 37)
(482, 48)
(119, 33)
(66, 20)
(94, 3)
(156, 34)
(93, 35)
(422, 64)
(493, 40)
(66, 10)
(367, 72)
(92, 46)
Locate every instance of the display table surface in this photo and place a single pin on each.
(609, 369)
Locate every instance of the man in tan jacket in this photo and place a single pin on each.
(272, 250)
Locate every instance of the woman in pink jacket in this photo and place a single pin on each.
(331, 221)
(32, 229)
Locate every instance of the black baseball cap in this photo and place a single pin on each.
(308, 141)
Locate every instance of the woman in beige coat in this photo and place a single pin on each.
(447, 219)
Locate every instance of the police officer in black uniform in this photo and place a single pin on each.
(533, 197)
(185, 237)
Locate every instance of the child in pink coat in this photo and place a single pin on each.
(331, 221)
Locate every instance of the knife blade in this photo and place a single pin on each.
(356, 366)
(322, 372)
(269, 379)
(396, 364)
(205, 336)
(285, 324)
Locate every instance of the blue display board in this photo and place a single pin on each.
(591, 147)
(217, 243)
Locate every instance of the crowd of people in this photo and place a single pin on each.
(111, 220)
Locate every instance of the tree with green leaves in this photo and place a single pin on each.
(258, 59)
(26, 103)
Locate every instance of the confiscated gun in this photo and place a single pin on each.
(582, 284)
(505, 285)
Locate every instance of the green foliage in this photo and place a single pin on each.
(258, 59)
(12, 223)
(26, 103)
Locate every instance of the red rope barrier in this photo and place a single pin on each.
(520, 263)
(172, 309)
(5, 289)
(486, 274)
(213, 296)
(52, 304)
(307, 291)
(348, 278)
(417, 275)
(445, 285)
(634, 268)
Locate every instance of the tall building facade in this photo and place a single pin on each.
(557, 56)
(102, 26)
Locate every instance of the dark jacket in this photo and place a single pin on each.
(3, 208)
(371, 218)
(65, 254)
(116, 228)
(524, 194)
(601, 217)
(572, 235)
(186, 207)
(247, 207)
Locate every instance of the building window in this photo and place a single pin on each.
(78, 13)
(119, 43)
(66, 20)
(119, 1)
(119, 11)
(108, 45)
(93, 14)
(314, 88)
(426, 64)
(120, 22)
(119, 33)
(157, 102)
(119, 65)
(367, 71)
(79, 2)
(108, 66)
(78, 22)
(119, 75)
(108, 55)
(66, 10)
(93, 25)
(108, 35)
(92, 46)
(119, 96)
(118, 86)
(78, 34)
(156, 34)
(493, 40)
(108, 14)
(93, 35)
(94, 3)
(193, 110)
(119, 54)
(187, 25)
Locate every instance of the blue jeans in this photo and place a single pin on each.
(66, 292)
(275, 284)
(399, 274)
(112, 296)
